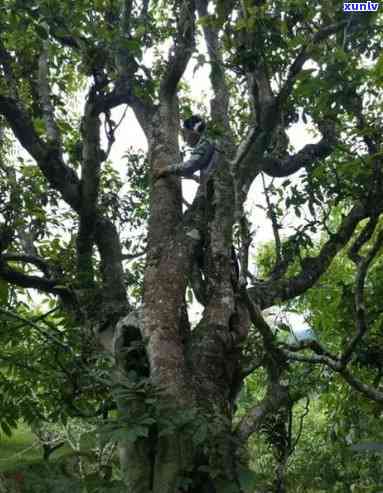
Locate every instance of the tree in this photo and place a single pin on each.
(271, 64)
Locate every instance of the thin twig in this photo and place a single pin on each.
(302, 417)
(37, 328)
(360, 308)
(273, 219)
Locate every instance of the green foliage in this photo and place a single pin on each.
(49, 371)
(89, 466)
(336, 420)
(340, 420)
(47, 376)
(45, 478)
(147, 406)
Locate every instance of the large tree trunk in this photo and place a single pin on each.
(195, 370)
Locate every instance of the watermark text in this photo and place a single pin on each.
(360, 6)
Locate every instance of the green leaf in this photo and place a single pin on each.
(39, 125)
(6, 429)
(41, 31)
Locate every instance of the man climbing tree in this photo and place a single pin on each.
(203, 157)
(271, 64)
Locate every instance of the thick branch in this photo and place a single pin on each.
(271, 292)
(60, 176)
(260, 323)
(42, 284)
(220, 103)
(267, 117)
(109, 247)
(305, 158)
(127, 66)
(276, 396)
(132, 256)
(245, 146)
(315, 360)
(316, 346)
(125, 17)
(181, 51)
(365, 389)
(53, 132)
(270, 110)
(38, 262)
(123, 94)
(258, 78)
(90, 182)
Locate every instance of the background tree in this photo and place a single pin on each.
(65, 215)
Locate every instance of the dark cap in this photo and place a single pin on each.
(195, 123)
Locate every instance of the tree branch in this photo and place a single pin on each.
(271, 292)
(270, 108)
(276, 396)
(53, 132)
(220, 103)
(274, 222)
(181, 51)
(303, 56)
(127, 66)
(258, 76)
(360, 309)
(245, 146)
(294, 444)
(51, 286)
(363, 388)
(38, 262)
(132, 256)
(109, 247)
(305, 158)
(263, 327)
(361, 239)
(90, 182)
(35, 326)
(59, 175)
(338, 367)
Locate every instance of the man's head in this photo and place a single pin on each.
(192, 129)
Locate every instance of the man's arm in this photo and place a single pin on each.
(200, 157)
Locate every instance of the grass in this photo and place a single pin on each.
(22, 449)
(19, 449)
(21, 454)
